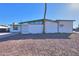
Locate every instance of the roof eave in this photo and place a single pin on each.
(65, 20)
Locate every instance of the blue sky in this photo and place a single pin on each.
(19, 12)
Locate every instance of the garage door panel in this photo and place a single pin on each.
(35, 28)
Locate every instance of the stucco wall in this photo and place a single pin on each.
(31, 29)
(67, 26)
(36, 28)
(50, 27)
(24, 28)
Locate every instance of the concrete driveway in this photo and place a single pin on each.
(4, 35)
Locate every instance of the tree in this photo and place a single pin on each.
(45, 11)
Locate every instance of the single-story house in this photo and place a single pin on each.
(36, 26)
(4, 28)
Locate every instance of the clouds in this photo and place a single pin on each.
(74, 8)
(74, 11)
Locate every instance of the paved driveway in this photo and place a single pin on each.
(3, 35)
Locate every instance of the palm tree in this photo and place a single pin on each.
(45, 10)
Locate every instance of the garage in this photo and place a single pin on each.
(51, 26)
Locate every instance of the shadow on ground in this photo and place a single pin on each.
(37, 36)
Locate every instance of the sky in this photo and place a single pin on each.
(20, 12)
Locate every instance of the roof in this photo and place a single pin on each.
(37, 21)
(65, 20)
(15, 24)
(43, 19)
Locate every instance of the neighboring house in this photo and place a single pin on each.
(4, 28)
(36, 26)
(76, 29)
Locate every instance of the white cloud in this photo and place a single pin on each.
(74, 6)
(73, 9)
(74, 12)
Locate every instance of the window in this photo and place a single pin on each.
(15, 27)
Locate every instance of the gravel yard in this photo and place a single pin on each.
(40, 45)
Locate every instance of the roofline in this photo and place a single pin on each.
(37, 20)
(30, 21)
(16, 25)
(45, 19)
(65, 20)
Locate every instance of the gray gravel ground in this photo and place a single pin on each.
(40, 45)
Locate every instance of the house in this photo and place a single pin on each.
(36, 26)
(4, 28)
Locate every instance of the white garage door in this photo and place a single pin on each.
(35, 29)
